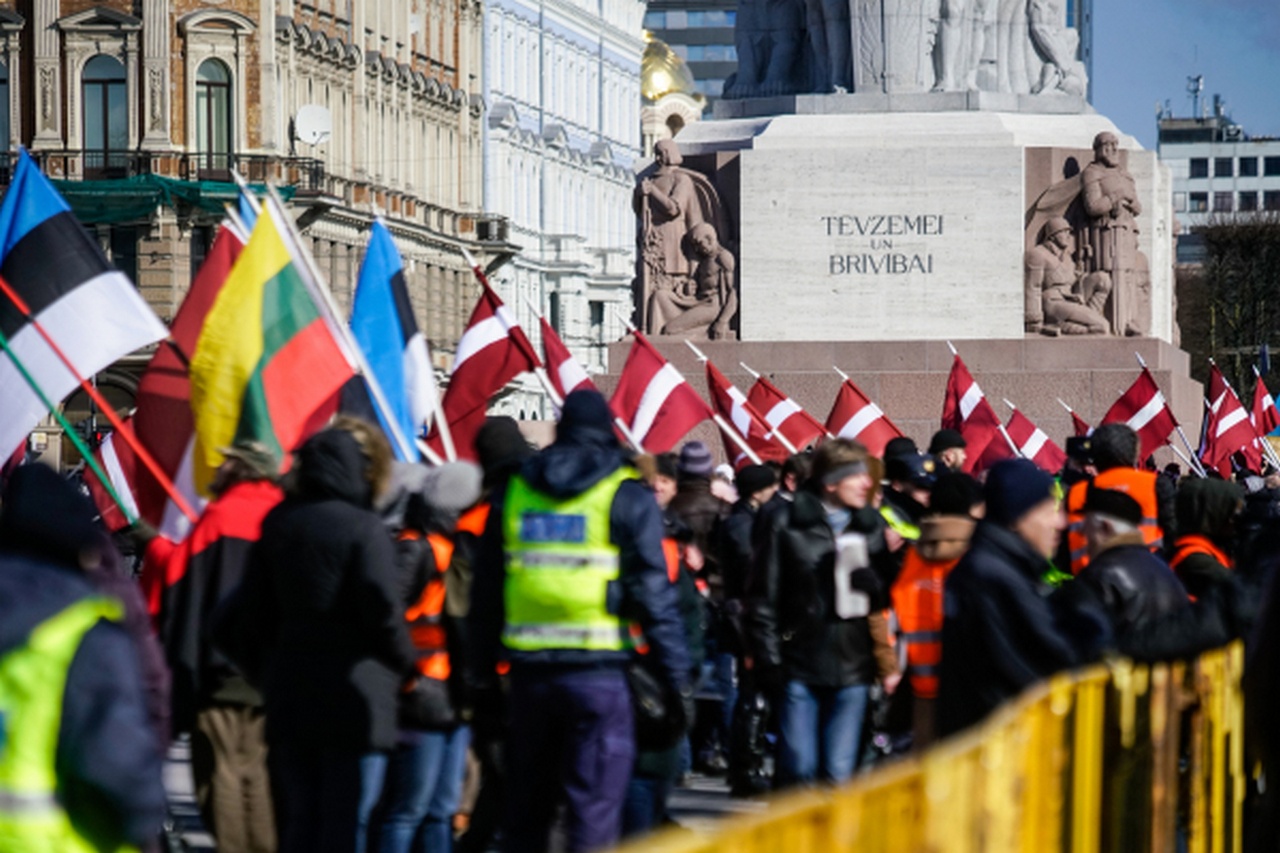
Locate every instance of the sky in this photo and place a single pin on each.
(1144, 50)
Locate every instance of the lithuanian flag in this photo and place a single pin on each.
(268, 362)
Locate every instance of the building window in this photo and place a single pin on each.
(213, 116)
(1247, 167)
(106, 118)
(1199, 167)
(1199, 202)
(1271, 200)
(1248, 201)
(655, 20)
(1223, 167)
(596, 310)
(1271, 166)
(1180, 202)
(1222, 202)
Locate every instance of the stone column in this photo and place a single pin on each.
(156, 31)
(268, 92)
(13, 58)
(48, 76)
(131, 84)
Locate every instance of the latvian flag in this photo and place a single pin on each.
(564, 371)
(1229, 429)
(653, 399)
(854, 416)
(269, 360)
(967, 411)
(163, 421)
(732, 405)
(784, 415)
(493, 351)
(1144, 410)
(1034, 444)
(91, 311)
(384, 327)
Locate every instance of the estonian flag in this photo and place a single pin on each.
(90, 310)
(383, 325)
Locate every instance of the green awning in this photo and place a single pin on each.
(136, 198)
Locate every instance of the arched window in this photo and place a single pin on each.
(213, 116)
(106, 117)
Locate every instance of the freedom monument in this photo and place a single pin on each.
(885, 176)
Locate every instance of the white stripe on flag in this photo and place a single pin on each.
(864, 418)
(1034, 444)
(420, 382)
(111, 462)
(571, 374)
(1145, 415)
(483, 334)
(95, 324)
(1236, 416)
(174, 524)
(970, 401)
(738, 412)
(780, 412)
(655, 395)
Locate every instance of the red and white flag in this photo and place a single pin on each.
(653, 399)
(732, 405)
(854, 416)
(163, 420)
(1079, 426)
(493, 351)
(1034, 444)
(966, 410)
(564, 371)
(1144, 410)
(1228, 429)
(1264, 417)
(784, 415)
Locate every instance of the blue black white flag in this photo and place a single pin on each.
(383, 325)
(90, 310)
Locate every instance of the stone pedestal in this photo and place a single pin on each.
(857, 220)
(908, 379)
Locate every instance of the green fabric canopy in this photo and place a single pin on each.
(136, 198)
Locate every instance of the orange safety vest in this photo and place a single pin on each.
(671, 550)
(474, 520)
(1188, 545)
(917, 598)
(426, 629)
(1139, 485)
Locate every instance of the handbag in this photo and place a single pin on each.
(659, 712)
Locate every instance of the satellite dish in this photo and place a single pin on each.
(312, 125)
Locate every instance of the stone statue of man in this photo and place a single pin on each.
(1109, 197)
(1058, 299)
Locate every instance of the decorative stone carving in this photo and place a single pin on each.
(46, 98)
(155, 87)
(686, 280)
(1015, 46)
(1060, 300)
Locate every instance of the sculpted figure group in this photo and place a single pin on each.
(686, 281)
(798, 46)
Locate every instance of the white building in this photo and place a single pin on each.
(562, 87)
(1217, 170)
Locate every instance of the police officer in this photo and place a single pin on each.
(570, 579)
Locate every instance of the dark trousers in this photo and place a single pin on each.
(229, 768)
(571, 740)
(324, 797)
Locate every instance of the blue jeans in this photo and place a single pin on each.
(324, 797)
(820, 729)
(423, 787)
(645, 807)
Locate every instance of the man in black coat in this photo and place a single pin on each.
(1003, 629)
(319, 627)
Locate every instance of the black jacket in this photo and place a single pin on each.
(1135, 586)
(582, 455)
(108, 758)
(797, 605)
(318, 621)
(1004, 629)
(703, 512)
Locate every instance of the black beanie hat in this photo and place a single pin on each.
(42, 513)
(752, 478)
(954, 494)
(501, 448)
(945, 439)
(1014, 487)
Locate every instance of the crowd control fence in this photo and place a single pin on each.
(1118, 757)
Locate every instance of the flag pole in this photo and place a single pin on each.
(1184, 458)
(1070, 411)
(1193, 461)
(329, 310)
(774, 433)
(69, 430)
(724, 425)
(1268, 450)
(107, 409)
(843, 375)
(1005, 432)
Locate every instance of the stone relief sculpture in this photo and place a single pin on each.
(686, 279)
(1060, 299)
(1015, 46)
(1100, 206)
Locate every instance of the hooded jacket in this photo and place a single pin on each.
(585, 452)
(1004, 628)
(1206, 511)
(318, 622)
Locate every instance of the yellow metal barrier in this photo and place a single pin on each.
(1087, 761)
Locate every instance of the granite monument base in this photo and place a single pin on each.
(908, 379)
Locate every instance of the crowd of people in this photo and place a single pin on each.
(535, 650)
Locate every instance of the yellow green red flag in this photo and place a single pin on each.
(268, 364)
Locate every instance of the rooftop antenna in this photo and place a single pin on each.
(1195, 85)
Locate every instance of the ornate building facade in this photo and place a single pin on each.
(354, 108)
(562, 85)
